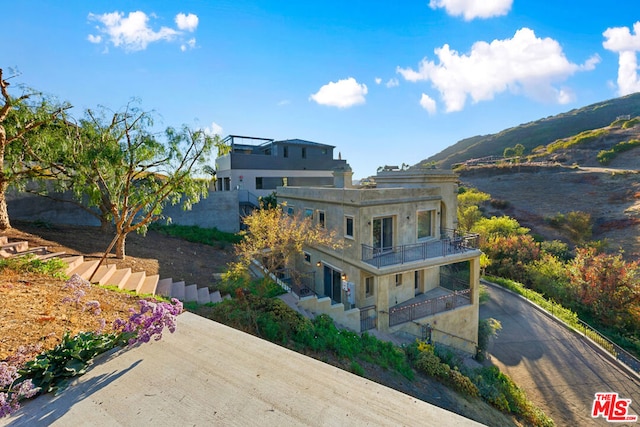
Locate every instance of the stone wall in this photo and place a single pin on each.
(219, 210)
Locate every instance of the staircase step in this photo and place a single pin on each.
(85, 269)
(120, 277)
(72, 262)
(148, 285)
(191, 293)
(50, 255)
(177, 290)
(164, 287)
(215, 297)
(15, 247)
(134, 280)
(203, 296)
(103, 274)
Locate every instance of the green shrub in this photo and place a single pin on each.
(487, 328)
(54, 267)
(193, 233)
(54, 369)
(605, 156)
(357, 369)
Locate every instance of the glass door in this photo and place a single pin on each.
(383, 234)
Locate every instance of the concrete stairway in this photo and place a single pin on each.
(124, 278)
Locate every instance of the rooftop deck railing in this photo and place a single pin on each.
(450, 245)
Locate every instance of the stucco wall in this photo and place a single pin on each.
(219, 209)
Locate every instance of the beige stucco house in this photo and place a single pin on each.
(403, 267)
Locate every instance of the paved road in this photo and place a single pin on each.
(558, 370)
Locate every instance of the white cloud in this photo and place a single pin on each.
(133, 32)
(187, 22)
(392, 82)
(378, 80)
(471, 9)
(94, 39)
(620, 40)
(342, 94)
(283, 103)
(190, 44)
(428, 103)
(524, 63)
(214, 129)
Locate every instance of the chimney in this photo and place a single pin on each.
(343, 177)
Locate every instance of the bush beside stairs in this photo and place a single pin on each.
(125, 279)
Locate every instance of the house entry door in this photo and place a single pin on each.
(383, 234)
(332, 284)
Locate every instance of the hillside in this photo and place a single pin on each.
(566, 175)
(539, 132)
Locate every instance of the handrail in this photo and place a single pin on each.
(382, 257)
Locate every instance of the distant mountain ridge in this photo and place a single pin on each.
(540, 132)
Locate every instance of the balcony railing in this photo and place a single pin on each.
(384, 257)
(407, 312)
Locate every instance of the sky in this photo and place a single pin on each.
(385, 82)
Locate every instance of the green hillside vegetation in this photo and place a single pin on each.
(605, 156)
(544, 131)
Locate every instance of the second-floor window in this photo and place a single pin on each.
(285, 151)
(425, 224)
(321, 219)
(348, 226)
(259, 183)
(304, 152)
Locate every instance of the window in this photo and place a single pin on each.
(307, 257)
(259, 183)
(285, 181)
(290, 210)
(285, 151)
(304, 152)
(308, 213)
(321, 218)
(324, 151)
(398, 279)
(425, 224)
(227, 184)
(368, 286)
(348, 226)
(383, 234)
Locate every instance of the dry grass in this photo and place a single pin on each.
(32, 310)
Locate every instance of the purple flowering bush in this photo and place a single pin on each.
(13, 391)
(150, 321)
(52, 370)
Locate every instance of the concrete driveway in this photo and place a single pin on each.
(559, 371)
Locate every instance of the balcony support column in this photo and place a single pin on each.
(382, 302)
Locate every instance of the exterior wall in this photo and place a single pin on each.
(219, 210)
(457, 328)
(245, 179)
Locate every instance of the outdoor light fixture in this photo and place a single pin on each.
(318, 264)
(344, 277)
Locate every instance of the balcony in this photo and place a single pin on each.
(435, 301)
(385, 257)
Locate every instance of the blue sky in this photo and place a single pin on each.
(385, 82)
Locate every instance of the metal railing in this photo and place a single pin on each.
(383, 257)
(368, 317)
(410, 312)
(245, 196)
(614, 349)
(300, 283)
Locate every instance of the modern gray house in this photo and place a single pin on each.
(260, 165)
